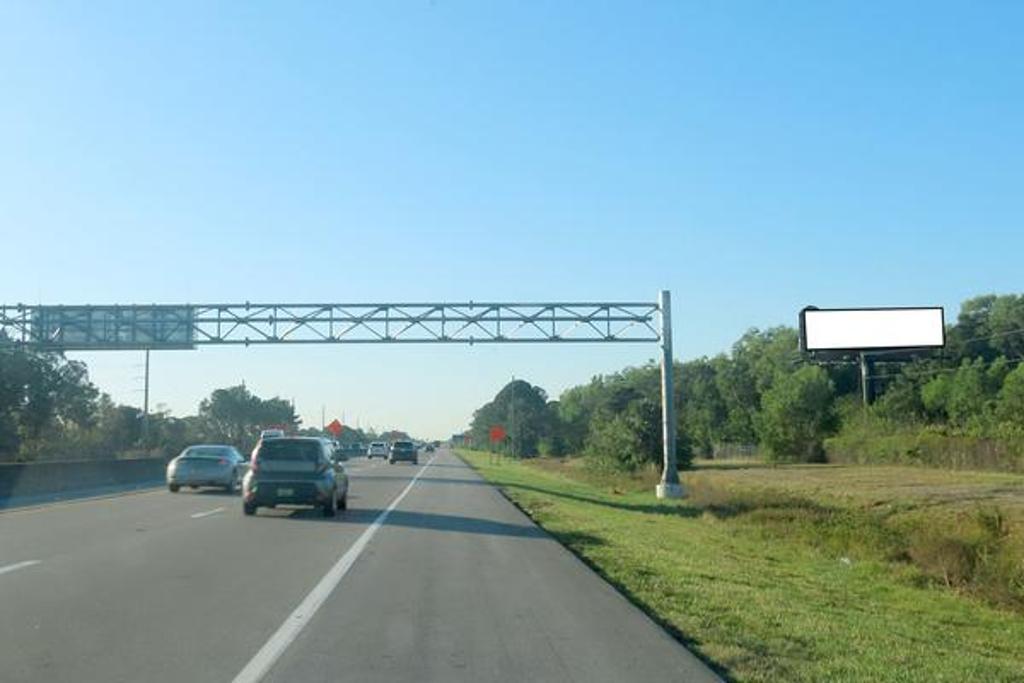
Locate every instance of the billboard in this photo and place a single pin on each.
(85, 328)
(868, 329)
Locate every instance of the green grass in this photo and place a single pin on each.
(772, 577)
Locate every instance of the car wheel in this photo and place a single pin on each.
(232, 485)
(173, 488)
(249, 508)
(331, 507)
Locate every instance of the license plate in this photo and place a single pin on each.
(285, 493)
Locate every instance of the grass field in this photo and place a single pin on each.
(796, 573)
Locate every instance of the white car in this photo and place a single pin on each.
(272, 434)
(377, 449)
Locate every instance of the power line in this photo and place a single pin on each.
(935, 371)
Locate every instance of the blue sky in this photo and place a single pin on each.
(751, 157)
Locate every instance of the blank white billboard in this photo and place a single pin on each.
(872, 328)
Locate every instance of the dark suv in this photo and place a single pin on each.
(403, 450)
(295, 471)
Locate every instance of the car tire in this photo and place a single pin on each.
(233, 485)
(173, 488)
(331, 507)
(249, 508)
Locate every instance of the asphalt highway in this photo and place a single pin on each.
(431, 575)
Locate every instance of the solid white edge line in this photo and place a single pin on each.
(200, 515)
(19, 565)
(272, 650)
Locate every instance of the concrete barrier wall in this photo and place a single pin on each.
(46, 478)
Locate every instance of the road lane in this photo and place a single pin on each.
(134, 589)
(294, 623)
(461, 586)
(456, 585)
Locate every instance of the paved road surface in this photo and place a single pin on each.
(453, 584)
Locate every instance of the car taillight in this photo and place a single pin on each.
(223, 461)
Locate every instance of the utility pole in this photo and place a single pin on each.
(512, 424)
(145, 403)
(512, 418)
(669, 486)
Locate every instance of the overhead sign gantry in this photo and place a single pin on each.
(188, 326)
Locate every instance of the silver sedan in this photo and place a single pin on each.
(206, 465)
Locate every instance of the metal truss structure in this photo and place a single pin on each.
(63, 328)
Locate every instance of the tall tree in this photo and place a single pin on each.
(521, 409)
(235, 415)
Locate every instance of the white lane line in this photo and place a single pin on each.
(19, 565)
(200, 515)
(272, 650)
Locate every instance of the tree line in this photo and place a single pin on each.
(763, 392)
(50, 410)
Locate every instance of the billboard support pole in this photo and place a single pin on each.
(866, 388)
(669, 486)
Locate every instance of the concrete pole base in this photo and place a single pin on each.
(664, 490)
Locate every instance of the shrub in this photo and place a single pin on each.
(552, 446)
(632, 438)
(797, 413)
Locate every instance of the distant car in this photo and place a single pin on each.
(206, 465)
(403, 450)
(429, 448)
(356, 448)
(377, 449)
(295, 471)
(272, 434)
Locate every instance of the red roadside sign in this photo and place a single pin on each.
(335, 428)
(498, 433)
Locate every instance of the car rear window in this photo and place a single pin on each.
(296, 451)
(403, 445)
(204, 452)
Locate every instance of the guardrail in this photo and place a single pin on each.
(22, 480)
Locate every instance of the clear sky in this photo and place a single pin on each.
(751, 157)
